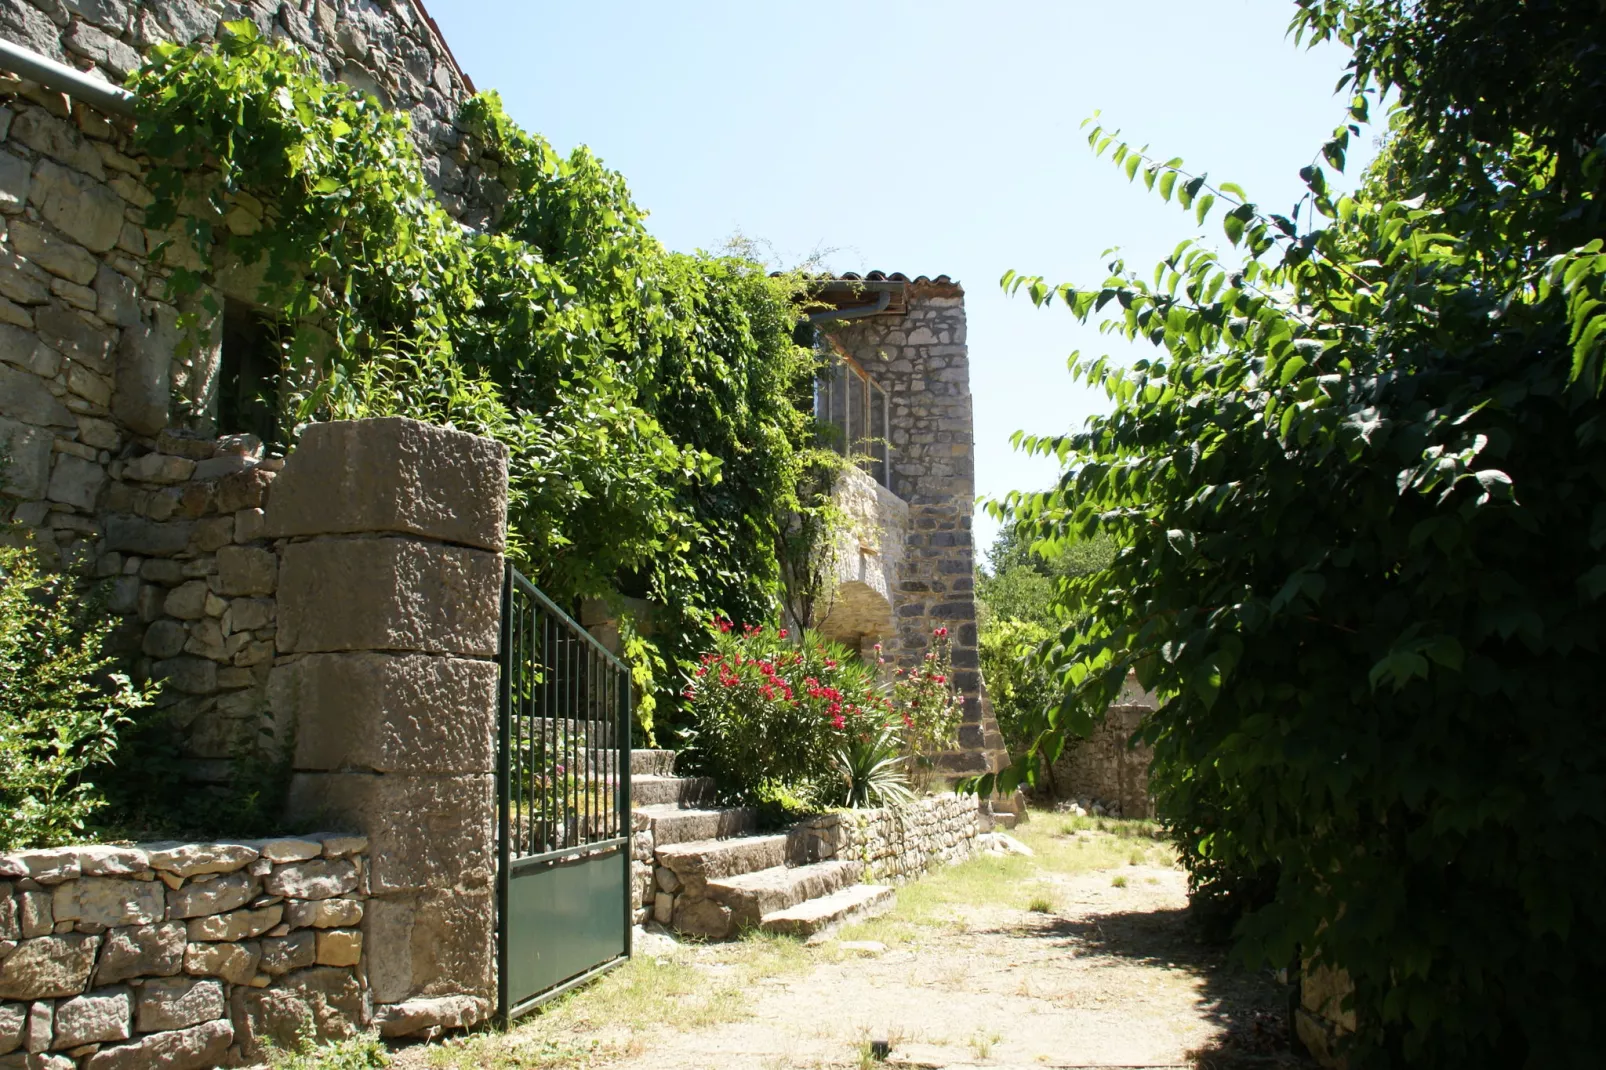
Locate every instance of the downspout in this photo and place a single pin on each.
(64, 79)
(883, 299)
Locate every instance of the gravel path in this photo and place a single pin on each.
(1109, 979)
(1078, 956)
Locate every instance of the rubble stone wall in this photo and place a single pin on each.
(180, 954)
(388, 48)
(895, 845)
(1105, 770)
(922, 360)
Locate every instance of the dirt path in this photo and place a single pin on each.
(1077, 957)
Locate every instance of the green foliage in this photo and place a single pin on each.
(928, 703)
(363, 1052)
(60, 707)
(648, 399)
(869, 764)
(1016, 605)
(770, 714)
(1358, 499)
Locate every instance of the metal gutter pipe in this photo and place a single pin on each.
(64, 79)
(883, 299)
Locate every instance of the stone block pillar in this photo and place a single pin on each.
(388, 615)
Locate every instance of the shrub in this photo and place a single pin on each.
(869, 763)
(60, 709)
(770, 716)
(929, 706)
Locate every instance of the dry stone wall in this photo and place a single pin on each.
(894, 845)
(891, 846)
(180, 955)
(1104, 773)
(94, 395)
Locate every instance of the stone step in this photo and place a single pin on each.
(713, 859)
(671, 824)
(808, 918)
(751, 896)
(652, 763)
(653, 790)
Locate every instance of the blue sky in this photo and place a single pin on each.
(931, 138)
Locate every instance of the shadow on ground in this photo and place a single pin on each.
(1249, 1007)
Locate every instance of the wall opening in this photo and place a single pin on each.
(856, 407)
(249, 373)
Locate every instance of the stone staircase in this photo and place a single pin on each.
(714, 875)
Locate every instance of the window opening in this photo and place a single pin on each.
(248, 376)
(856, 409)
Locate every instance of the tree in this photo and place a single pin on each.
(1358, 496)
(1016, 603)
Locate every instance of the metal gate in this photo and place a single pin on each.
(563, 780)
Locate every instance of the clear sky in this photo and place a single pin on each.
(938, 137)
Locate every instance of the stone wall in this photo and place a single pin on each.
(364, 601)
(895, 845)
(179, 955)
(868, 559)
(389, 48)
(90, 374)
(921, 358)
(1320, 1021)
(892, 846)
(389, 613)
(1105, 773)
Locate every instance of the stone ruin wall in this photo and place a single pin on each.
(89, 376)
(366, 597)
(1106, 773)
(179, 955)
(922, 360)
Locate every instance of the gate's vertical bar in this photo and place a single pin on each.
(629, 825)
(549, 739)
(570, 710)
(504, 799)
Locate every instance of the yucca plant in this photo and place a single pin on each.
(871, 765)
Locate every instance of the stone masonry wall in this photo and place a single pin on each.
(1104, 770)
(388, 48)
(389, 614)
(895, 845)
(922, 360)
(108, 435)
(179, 955)
(89, 373)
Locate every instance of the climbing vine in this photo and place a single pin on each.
(650, 400)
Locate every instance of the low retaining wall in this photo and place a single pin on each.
(180, 955)
(894, 844)
(1104, 770)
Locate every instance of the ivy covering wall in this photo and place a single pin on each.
(653, 402)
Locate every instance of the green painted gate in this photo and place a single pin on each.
(563, 779)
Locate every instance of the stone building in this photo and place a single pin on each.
(129, 460)
(898, 393)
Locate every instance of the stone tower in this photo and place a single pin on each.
(899, 391)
